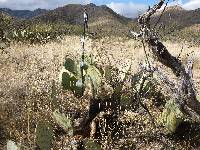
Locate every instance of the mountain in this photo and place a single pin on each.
(23, 14)
(177, 23)
(73, 14)
(102, 19)
(178, 17)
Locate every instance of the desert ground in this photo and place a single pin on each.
(28, 71)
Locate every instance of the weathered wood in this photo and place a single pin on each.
(186, 93)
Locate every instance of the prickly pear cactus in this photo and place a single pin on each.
(53, 96)
(95, 75)
(70, 65)
(66, 79)
(126, 100)
(89, 60)
(147, 87)
(44, 135)
(92, 145)
(108, 73)
(64, 122)
(171, 116)
(72, 77)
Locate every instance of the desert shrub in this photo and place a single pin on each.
(39, 32)
(5, 22)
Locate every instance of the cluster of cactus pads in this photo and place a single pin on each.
(44, 130)
(171, 116)
(73, 80)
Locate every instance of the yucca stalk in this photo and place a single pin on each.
(85, 26)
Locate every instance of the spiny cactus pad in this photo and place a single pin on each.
(66, 81)
(171, 116)
(95, 76)
(70, 65)
(92, 145)
(72, 76)
(44, 135)
(64, 122)
(108, 73)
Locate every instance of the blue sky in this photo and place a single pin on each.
(128, 8)
(132, 8)
(100, 2)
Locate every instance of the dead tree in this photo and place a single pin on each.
(186, 96)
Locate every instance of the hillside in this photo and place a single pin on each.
(23, 14)
(5, 22)
(179, 17)
(72, 14)
(102, 20)
(176, 23)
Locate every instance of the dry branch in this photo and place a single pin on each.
(186, 93)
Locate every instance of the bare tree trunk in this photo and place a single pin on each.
(186, 95)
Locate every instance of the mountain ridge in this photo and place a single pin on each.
(102, 19)
(176, 15)
(72, 14)
(23, 14)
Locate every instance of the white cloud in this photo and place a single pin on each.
(2, 1)
(176, 2)
(173, 3)
(34, 4)
(130, 9)
(192, 4)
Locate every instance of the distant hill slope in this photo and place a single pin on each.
(179, 17)
(177, 23)
(5, 21)
(102, 19)
(73, 14)
(23, 14)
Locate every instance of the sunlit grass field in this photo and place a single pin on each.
(27, 73)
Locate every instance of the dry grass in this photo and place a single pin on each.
(27, 72)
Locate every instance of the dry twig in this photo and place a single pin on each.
(186, 95)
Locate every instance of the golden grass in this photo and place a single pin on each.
(27, 72)
(40, 64)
